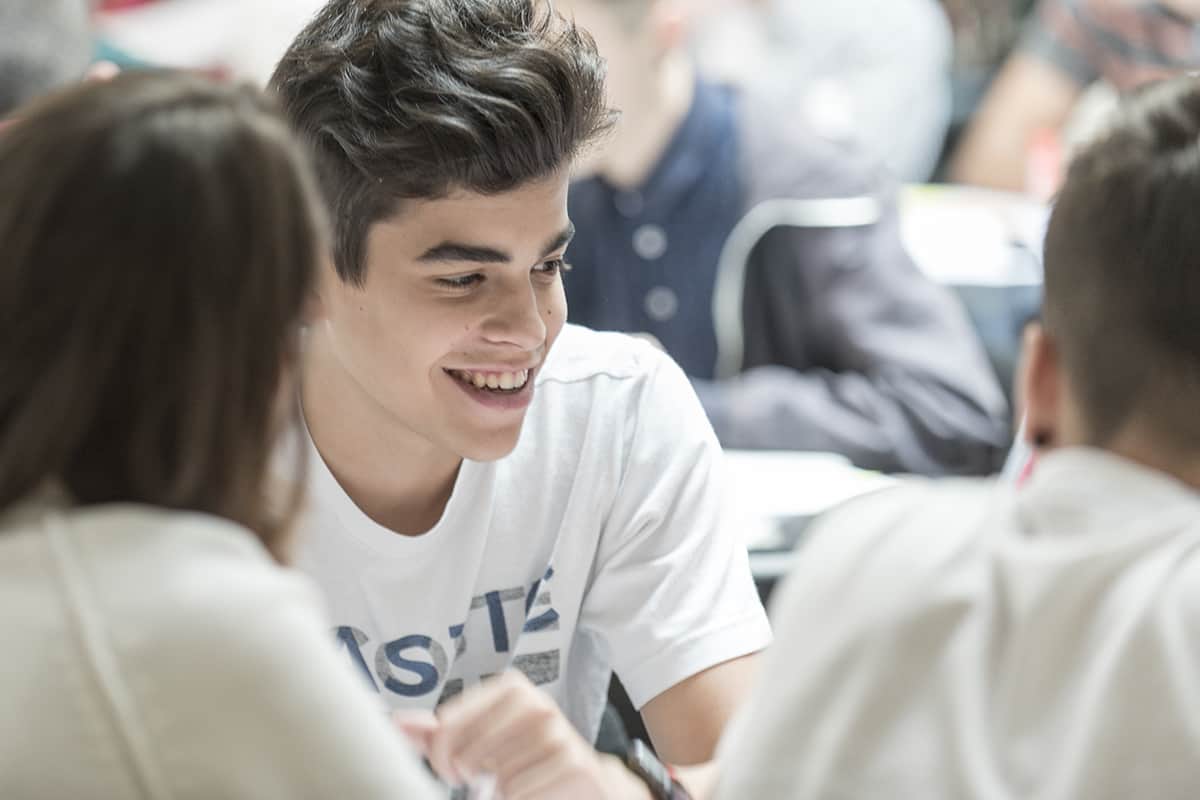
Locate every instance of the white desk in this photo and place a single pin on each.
(768, 491)
(966, 236)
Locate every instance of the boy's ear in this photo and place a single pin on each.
(1039, 389)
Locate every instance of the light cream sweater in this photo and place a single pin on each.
(154, 654)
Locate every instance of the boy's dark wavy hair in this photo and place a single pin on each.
(402, 99)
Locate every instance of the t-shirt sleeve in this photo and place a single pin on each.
(247, 698)
(672, 593)
(1056, 34)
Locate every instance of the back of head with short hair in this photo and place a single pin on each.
(1122, 292)
(161, 237)
(44, 44)
(404, 99)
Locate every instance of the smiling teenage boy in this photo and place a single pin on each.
(496, 493)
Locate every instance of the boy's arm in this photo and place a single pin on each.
(686, 721)
(673, 605)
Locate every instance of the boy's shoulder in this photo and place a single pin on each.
(898, 540)
(581, 355)
(921, 504)
(603, 388)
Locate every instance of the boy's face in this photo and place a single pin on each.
(461, 304)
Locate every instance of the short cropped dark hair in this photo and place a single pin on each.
(402, 99)
(1122, 292)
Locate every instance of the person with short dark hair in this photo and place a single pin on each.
(496, 493)
(767, 260)
(161, 235)
(1041, 640)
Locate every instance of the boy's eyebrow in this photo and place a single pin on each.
(562, 240)
(476, 254)
(456, 251)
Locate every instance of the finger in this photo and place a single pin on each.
(417, 726)
(526, 717)
(521, 760)
(462, 718)
(534, 736)
(546, 780)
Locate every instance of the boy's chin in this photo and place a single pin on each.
(492, 448)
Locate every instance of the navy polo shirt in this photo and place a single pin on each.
(645, 260)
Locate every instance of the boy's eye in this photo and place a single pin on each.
(462, 281)
(553, 267)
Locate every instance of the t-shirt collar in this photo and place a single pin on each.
(1087, 489)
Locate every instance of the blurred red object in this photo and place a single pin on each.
(117, 5)
(1045, 165)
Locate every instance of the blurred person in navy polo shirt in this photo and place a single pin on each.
(768, 262)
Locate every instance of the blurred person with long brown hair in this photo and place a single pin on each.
(160, 237)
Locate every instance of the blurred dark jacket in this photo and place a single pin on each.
(841, 343)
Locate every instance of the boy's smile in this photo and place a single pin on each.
(511, 390)
(462, 302)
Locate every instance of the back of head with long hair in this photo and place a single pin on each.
(158, 242)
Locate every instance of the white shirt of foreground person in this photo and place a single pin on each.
(155, 654)
(595, 545)
(969, 640)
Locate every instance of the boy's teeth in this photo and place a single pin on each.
(496, 380)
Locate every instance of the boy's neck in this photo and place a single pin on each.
(1145, 448)
(648, 123)
(1141, 444)
(396, 477)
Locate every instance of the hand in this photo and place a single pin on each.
(418, 728)
(509, 729)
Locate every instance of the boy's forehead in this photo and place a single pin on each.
(515, 220)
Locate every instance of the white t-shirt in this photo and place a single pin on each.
(156, 654)
(596, 545)
(967, 639)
